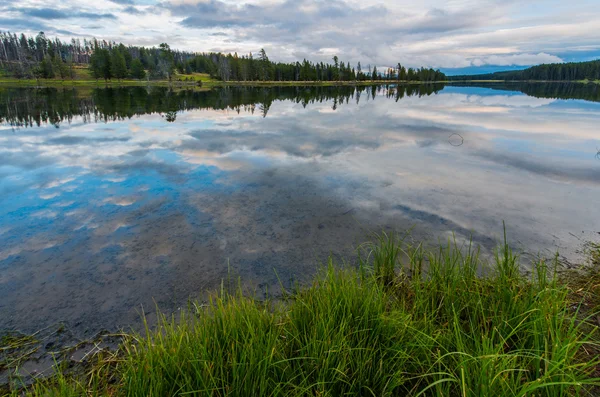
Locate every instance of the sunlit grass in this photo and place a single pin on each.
(71, 83)
(203, 77)
(405, 322)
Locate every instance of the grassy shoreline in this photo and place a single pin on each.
(189, 83)
(82, 77)
(406, 322)
(209, 83)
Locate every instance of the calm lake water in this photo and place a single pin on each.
(113, 199)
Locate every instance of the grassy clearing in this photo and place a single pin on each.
(445, 323)
(587, 81)
(12, 82)
(195, 77)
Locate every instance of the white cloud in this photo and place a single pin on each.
(516, 59)
(447, 34)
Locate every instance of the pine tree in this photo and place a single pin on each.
(70, 68)
(336, 65)
(137, 69)
(47, 68)
(60, 68)
(166, 64)
(100, 63)
(118, 66)
(264, 60)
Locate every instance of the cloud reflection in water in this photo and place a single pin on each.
(96, 219)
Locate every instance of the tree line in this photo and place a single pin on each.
(231, 67)
(27, 57)
(570, 71)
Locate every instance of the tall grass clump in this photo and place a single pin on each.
(407, 322)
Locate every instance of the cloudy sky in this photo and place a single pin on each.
(455, 35)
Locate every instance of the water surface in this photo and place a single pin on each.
(113, 199)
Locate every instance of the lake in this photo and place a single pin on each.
(121, 198)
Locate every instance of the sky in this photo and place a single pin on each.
(456, 36)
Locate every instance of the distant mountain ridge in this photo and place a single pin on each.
(571, 71)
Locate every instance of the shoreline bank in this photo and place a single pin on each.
(406, 320)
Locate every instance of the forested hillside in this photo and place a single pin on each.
(40, 57)
(571, 71)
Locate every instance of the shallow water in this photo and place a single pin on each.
(114, 199)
